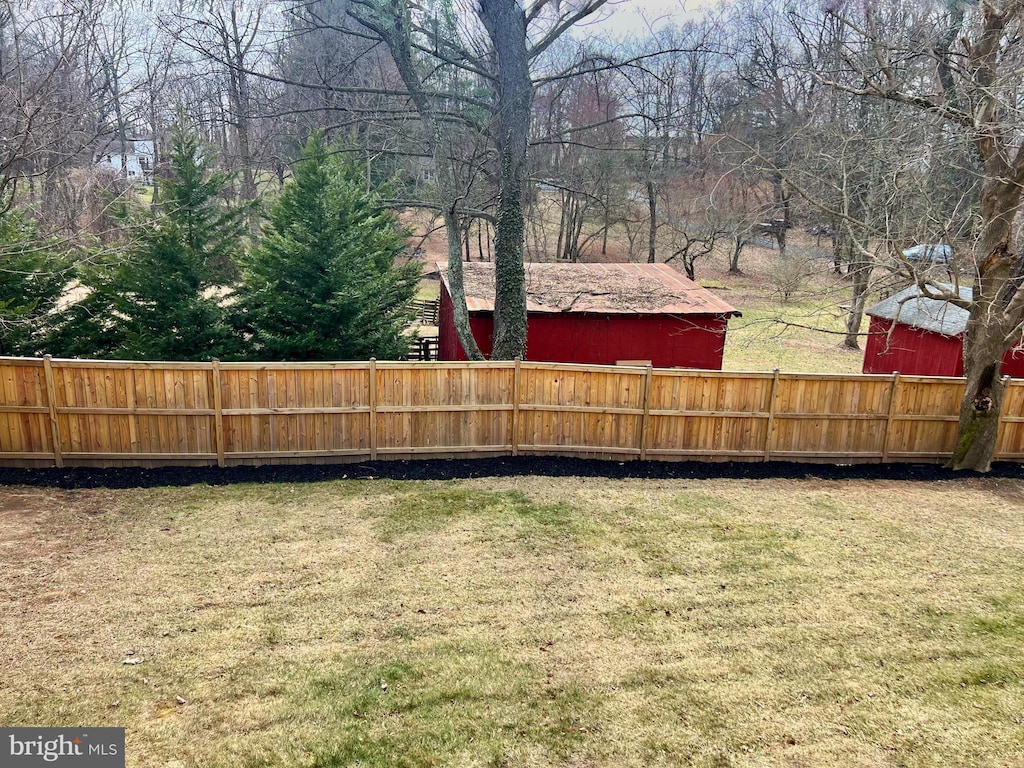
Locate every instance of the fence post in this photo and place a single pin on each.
(893, 388)
(51, 399)
(373, 409)
(515, 407)
(771, 415)
(1002, 411)
(647, 411)
(218, 413)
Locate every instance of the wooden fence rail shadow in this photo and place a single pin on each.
(107, 413)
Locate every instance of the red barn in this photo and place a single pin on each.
(598, 313)
(919, 336)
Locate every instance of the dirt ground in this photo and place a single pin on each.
(447, 469)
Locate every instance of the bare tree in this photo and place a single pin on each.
(765, 106)
(692, 227)
(578, 156)
(959, 65)
(667, 103)
(490, 55)
(58, 64)
(234, 36)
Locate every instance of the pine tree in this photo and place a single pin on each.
(322, 283)
(32, 276)
(159, 299)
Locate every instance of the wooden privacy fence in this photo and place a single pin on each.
(87, 412)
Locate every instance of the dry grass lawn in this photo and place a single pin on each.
(523, 622)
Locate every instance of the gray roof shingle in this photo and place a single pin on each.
(911, 308)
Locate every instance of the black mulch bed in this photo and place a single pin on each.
(447, 469)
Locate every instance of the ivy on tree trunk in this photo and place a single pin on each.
(505, 22)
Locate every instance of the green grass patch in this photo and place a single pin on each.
(798, 336)
(428, 510)
(443, 700)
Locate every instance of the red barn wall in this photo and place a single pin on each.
(917, 352)
(447, 341)
(1013, 362)
(910, 350)
(449, 347)
(601, 339)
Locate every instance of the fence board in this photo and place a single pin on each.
(595, 410)
(1010, 445)
(25, 425)
(925, 417)
(425, 408)
(113, 413)
(842, 417)
(294, 411)
(691, 413)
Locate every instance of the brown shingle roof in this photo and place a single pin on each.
(600, 288)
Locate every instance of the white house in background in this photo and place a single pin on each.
(137, 154)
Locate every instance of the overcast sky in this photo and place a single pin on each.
(634, 18)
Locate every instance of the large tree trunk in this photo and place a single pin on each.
(997, 305)
(734, 260)
(982, 403)
(460, 313)
(505, 22)
(861, 273)
(995, 312)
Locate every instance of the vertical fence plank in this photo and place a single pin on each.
(771, 416)
(999, 418)
(373, 408)
(893, 391)
(51, 395)
(218, 412)
(646, 402)
(133, 417)
(515, 407)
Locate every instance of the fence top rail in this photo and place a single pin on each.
(68, 362)
(347, 365)
(691, 372)
(362, 365)
(538, 365)
(446, 364)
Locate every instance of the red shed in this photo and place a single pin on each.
(598, 313)
(919, 336)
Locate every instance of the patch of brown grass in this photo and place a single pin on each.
(523, 621)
